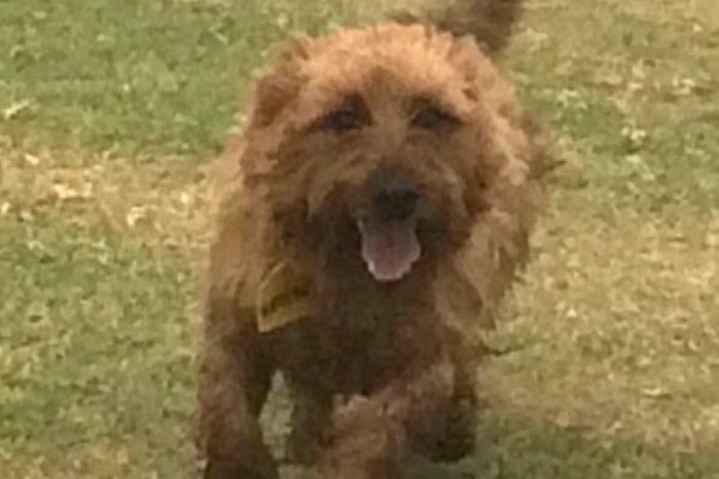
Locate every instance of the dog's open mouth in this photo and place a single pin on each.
(389, 247)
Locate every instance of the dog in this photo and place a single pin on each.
(385, 188)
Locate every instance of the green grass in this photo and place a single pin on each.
(109, 112)
(96, 365)
(134, 76)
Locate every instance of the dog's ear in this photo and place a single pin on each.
(272, 94)
(274, 90)
(296, 47)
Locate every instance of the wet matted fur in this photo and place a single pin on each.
(385, 188)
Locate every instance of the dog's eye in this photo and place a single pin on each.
(342, 120)
(350, 114)
(430, 117)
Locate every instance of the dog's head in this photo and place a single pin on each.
(380, 145)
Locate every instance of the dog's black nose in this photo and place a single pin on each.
(394, 197)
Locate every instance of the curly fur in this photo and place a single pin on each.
(375, 369)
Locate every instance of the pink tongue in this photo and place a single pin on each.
(389, 248)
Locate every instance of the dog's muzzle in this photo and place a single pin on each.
(393, 196)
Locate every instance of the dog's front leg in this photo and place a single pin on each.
(371, 436)
(235, 379)
(310, 421)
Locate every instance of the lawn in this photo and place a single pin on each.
(111, 112)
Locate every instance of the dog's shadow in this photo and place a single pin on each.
(514, 445)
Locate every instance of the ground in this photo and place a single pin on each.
(110, 112)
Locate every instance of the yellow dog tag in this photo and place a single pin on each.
(282, 298)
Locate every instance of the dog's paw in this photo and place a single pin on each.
(452, 437)
(233, 469)
(304, 445)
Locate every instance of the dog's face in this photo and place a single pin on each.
(378, 144)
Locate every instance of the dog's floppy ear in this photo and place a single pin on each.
(274, 90)
(272, 94)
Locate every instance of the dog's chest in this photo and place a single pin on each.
(357, 344)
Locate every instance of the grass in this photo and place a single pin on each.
(110, 112)
(90, 323)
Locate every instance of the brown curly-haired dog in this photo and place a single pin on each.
(387, 183)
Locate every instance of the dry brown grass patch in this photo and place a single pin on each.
(160, 200)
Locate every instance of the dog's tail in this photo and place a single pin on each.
(490, 22)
